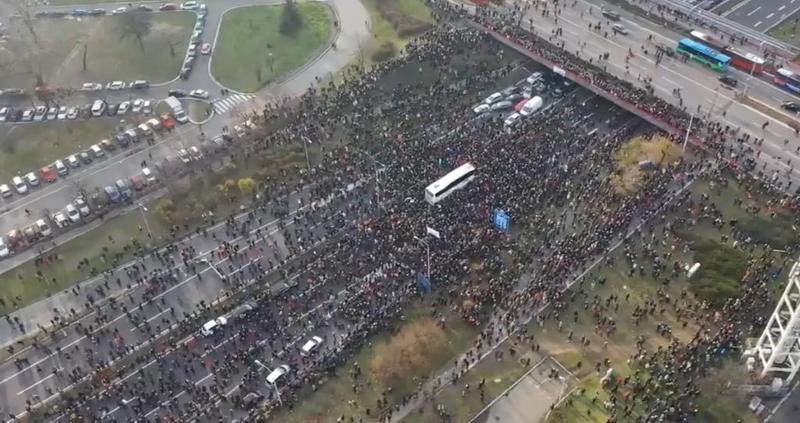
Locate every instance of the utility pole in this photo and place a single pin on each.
(274, 385)
(688, 130)
(428, 248)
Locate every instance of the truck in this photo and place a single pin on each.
(177, 109)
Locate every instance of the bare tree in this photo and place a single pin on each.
(136, 25)
(85, 52)
(23, 8)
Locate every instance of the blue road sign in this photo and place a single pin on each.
(501, 220)
(423, 282)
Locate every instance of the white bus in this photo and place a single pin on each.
(454, 180)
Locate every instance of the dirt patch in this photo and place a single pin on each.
(640, 156)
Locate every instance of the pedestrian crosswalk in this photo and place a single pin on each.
(222, 105)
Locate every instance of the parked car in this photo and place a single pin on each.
(614, 16)
(112, 194)
(73, 161)
(137, 182)
(189, 5)
(122, 140)
(107, 145)
(147, 107)
(120, 10)
(19, 185)
(123, 108)
(493, 98)
(60, 219)
(620, 29)
(79, 12)
(195, 153)
(4, 251)
(82, 207)
(52, 113)
(139, 84)
(115, 85)
(501, 105)
(98, 107)
(124, 189)
(61, 168)
(62, 113)
(40, 113)
(4, 113)
(91, 86)
(85, 157)
(5, 191)
(43, 227)
(277, 374)
(97, 12)
(791, 106)
(205, 49)
(534, 77)
(72, 113)
(198, 93)
(184, 155)
(512, 119)
(136, 106)
(72, 213)
(310, 345)
(32, 179)
(144, 8)
(96, 151)
(168, 6)
(211, 326)
(148, 176)
(48, 174)
(27, 115)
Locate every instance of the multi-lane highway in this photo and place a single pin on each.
(760, 15)
(700, 91)
(353, 21)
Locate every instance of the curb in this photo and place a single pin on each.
(317, 55)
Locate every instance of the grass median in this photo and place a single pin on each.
(101, 248)
(26, 148)
(251, 50)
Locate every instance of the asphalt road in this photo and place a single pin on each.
(761, 14)
(280, 230)
(353, 22)
(698, 85)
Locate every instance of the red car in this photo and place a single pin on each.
(518, 106)
(48, 174)
(168, 6)
(137, 182)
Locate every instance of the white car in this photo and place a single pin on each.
(52, 113)
(44, 228)
(91, 86)
(72, 213)
(137, 105)
(277, 373)
(481, 108)
(184, 155)
(73, 161)
(19, 185)
(32, 179)
(147, 107)
(72, 113)
(534, 77)
(494, 98)
(123, 107)
(62, 113)
(199, 94)
(189, 5)
(531, 106)
(4, 251)
(310, 345)
(4, 111)
(120, 10)
(512, 119)
(98, 108)
(195, 153)
(82, 207)
(61, 168)
(148, 176)
(39, 114)
(60, 219)
(212, 325)
(115, 85)
(5, 191)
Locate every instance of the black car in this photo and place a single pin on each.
(791, 106)
(613, 16)
(177, 93)
(728, 80)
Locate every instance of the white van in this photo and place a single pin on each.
(277, 374)
(19, 185)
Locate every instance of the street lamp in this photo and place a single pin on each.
(143, 209)
(305, 149)
(688, 130)
(428, 248)
(274, 385)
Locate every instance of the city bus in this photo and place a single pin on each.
(747, 62)
(453, 181)
(704, 54)
(787, 80)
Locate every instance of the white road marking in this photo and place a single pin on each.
(754, 11)
(757, 24)
(42, 380)
(781, 8)
(770, 16)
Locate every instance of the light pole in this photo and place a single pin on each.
(753, 68)
(305, 149)
(688, 130)
(143, 209)
(428, 248)
(274, 385)
(713, 103)
(377, 171)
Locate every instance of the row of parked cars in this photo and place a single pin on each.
(61, 168)
(73, 213)
(97, 109)
(520, 98)
(99, 11)
(114, 85)
(195, 42)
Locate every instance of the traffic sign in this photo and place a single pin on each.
(501, 220)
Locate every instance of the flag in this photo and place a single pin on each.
(433, 232)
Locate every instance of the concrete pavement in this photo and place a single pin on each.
(761, 15)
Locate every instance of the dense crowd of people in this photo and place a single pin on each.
(352, 255)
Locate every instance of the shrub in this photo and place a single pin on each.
(291, 19)
(386, 51)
